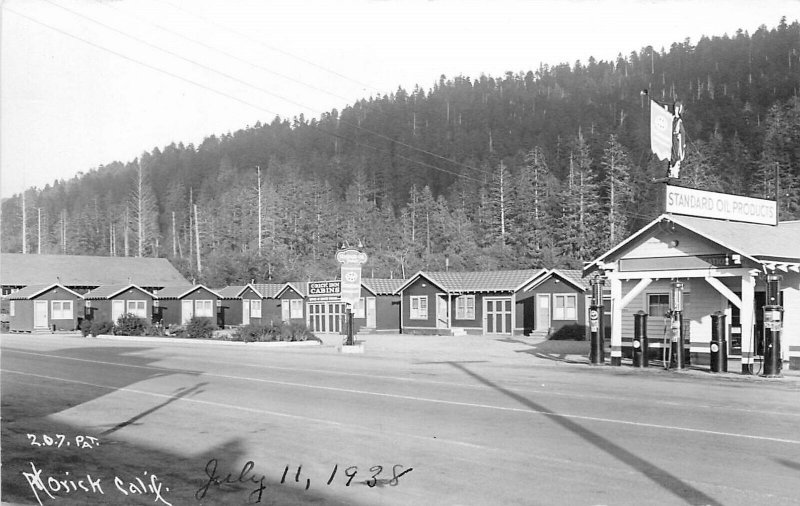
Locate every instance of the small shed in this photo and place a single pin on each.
(553, 300)
(176, 305)
(382, 305)
(265, 307)
(291, 300)
(109, 302)
(41, 308)
(230, 306)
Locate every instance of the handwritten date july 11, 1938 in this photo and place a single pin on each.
(214, 478)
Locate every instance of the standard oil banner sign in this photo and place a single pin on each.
(691, 202)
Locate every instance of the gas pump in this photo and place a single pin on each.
(773, 325)
(676, 327)
(596, 326)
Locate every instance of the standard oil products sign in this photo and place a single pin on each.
(691, 202)
(351, 260)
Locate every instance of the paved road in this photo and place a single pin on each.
(458, 420)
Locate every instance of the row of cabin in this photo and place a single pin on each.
(535, 302)
(56, 307)
(493, 302)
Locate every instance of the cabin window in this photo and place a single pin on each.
(657, 304)
(296, 308)
(255, 308)
(137, 308)
(61, 310)
(465, 307)
(565, 307)
(419, 307)
(204, 308)
(11, 309)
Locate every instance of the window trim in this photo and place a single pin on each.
(295, 308)
(463, 309)
(255, 308)
(202, 307)
(417, 313)
(135, 311)
(648, 305)
(560, 312)
(61, 313)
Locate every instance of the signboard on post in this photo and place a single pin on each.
(351, 260)
(705, 204)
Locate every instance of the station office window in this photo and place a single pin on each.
(255, 308)
(204, 308)
(137, 308)
(11, 308)
(296, 308)
(657, 304)
(61, 309)
(419, 307)
(565, 307)
(465, 307)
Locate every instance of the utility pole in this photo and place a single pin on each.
(39, 231)
(197, 240)
(174, 240)
(24, 226)
(258, 169)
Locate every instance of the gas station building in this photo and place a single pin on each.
(721, 268)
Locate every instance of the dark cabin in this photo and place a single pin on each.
(44, 308)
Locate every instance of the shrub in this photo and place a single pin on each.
(86, 327)
(130, 325)
(295, 332)
(574, 332)
(174, 330)
(200, 328)
(98, 327)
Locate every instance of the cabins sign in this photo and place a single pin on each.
(692, 202)
(324, 290)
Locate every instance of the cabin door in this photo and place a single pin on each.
(40, 314)
(117, 309)
(442, 321)
(543, 312)
(245, 311)
(187, 311)
(371, 312)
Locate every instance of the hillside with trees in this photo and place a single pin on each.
(547, 168)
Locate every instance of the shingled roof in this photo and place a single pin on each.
(382, 286)
(478, 281)
(32, 291)
(760, 243)
(109, 291)
(17, 269)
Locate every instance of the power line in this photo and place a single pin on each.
(222, 93)
(263, 90)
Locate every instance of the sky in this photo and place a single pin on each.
(84, 83)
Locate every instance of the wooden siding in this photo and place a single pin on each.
(387, 313)
(100, 310)
(171, 308)
(416, 289)
(659, 246)
(22, 321)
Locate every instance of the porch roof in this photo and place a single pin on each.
(766, 244)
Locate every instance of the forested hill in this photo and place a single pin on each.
(548, 167)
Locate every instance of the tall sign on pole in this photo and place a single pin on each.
(351, 260)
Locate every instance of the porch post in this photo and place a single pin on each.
(616, 320)
(747, 321)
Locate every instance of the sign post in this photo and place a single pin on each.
(351, 260)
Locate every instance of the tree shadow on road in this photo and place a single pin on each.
(660, 477)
